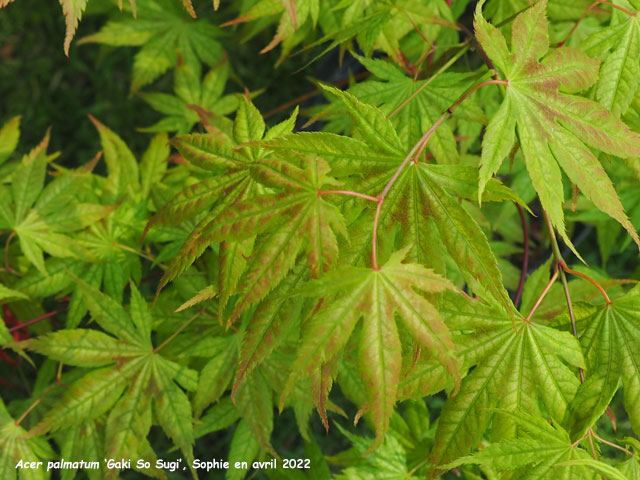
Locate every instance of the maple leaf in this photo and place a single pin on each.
(610, 339)
(619, 45)
(162, 33)
(14, 448)
(43, 216)
(541, 451)
(303, 219)
(227, 170)
(376, 296)
(514, 369)
(127, 378)
(388, 462)
(554, 128)
(190, 90)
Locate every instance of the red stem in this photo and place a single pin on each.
(575, 26)
(588, 279)
(554, 277)
(35, 404)
(617, 7)
(525, 259)
(35, 320)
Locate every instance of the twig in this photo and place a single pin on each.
(34, 404)
(618, 7)
(35, 320)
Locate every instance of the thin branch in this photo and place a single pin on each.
(552, 280)
(575, 26)
(35, 320)
(348, 192)
(593, 447)
(617, 7)
(525, 258)
(34, 404)
(613, 445)
(473, 89)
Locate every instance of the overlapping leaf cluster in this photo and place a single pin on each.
(237, 269)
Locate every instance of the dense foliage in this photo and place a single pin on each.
(246, 289)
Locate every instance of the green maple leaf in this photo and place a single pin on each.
(388, 462)
(514, 369)
(554, 128)
(162, 29)
(619, 45)
(126, 379)
(610, 339)
(376, 297)
(541, 451)
(293, 17)
(302, 219)
(42, 217)
(226, 168)
(189, 89)
(14, 447)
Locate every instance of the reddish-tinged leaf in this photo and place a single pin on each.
(553, 127)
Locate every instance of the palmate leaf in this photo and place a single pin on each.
(610, 338)
(161, 30)
(304, 221)
(541, 451)
(554, 128)
(514, 369)
(14, 447)
(128, 376)
(619, 79)
(190, 90)
(376, 296)
(42, 217)
(229, 182)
